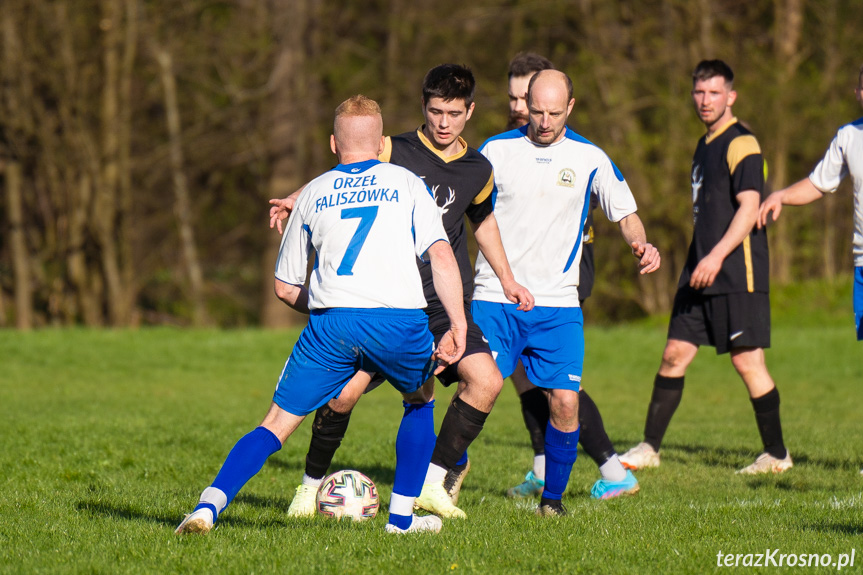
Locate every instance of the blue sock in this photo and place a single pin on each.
(561, 449)
(243, 462)
(414, 445)
(463, 459)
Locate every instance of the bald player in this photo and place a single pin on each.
(545, 174)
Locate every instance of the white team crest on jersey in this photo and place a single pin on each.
(566, 177)
(449, 199)
(697, 182)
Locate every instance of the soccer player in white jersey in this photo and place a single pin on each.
(615, 481)
(844, 156)
(544, 175)
(364, 220)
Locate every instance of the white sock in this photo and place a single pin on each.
(312, 481)
(539, 466)
(435, 474)
(215, 497)
(402, 505)
(612, 469)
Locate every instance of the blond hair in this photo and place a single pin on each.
(358, 105)
(358, 127)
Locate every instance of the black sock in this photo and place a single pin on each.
(592, 437)
(328, 430)
(667, 392)
(767, 417)
(460, 426)
(534, 409)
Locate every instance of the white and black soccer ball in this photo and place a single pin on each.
(347, 494)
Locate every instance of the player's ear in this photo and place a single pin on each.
(570, 106)
(333, 144)
(382, 145)
(732, 97)
(470, 111)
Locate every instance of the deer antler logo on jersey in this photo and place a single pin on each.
(449, 200)
(697, 182)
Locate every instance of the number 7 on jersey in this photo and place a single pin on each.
(367, 217)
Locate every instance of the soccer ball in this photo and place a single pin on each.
(347, 494)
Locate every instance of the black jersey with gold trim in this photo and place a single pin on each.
(726, 163)
(462, 184)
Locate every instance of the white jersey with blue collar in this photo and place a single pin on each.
(844, 156)
(367, 223)
(542, 201)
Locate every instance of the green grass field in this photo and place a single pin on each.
(109, 437)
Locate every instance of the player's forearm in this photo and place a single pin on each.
(741, 224)
(487, 234)
(632, 229)
(800, 193)
(297, 297)
(447, 282)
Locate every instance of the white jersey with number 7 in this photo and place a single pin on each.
(367, 223)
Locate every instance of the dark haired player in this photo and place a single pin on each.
(462, 183)
(722, 297)
(615, 480)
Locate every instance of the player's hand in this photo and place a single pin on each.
(451, 347)
(773, 203)
(648, 257)
(281, 210)
(706, 271)
(517, 293)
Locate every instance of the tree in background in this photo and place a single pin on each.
(140, 139)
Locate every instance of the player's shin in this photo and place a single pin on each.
(328, 431)
(414, 444)
(243, 462)
(769, 425)
(595, 441)
(461, 425)
(534, 410)
(667, 392)
(561, 449)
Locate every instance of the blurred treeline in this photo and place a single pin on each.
(140, 139)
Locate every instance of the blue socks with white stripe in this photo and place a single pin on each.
(561, 449)
(243, 462)
(414, 445)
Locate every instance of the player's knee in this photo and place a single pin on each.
(564, 411)
(343, 404)
(748, 362)
(492, 383)
(675, 358)
(419, 397)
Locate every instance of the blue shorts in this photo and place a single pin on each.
(858, 301)
(549, 341)
(337, 343)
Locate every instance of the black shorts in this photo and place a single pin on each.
(725, 321)
(439, 325)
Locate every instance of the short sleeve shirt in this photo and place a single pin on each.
(843, 157)
(541, 205)
(461, 184)
(726, 163)
(366, 223)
